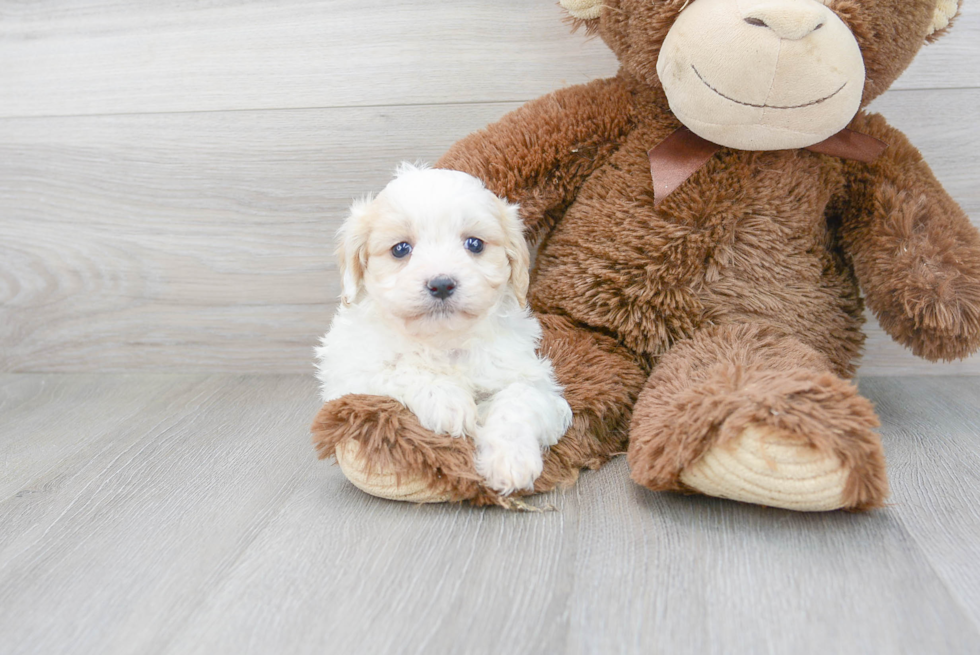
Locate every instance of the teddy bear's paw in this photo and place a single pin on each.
(944, 328)
(768, 466)
(370, 478)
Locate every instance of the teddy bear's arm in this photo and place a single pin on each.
(914, 250)
(540, 154)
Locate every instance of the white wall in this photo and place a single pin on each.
(171, 176)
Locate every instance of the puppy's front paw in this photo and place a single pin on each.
(445, 410)
(509, 466)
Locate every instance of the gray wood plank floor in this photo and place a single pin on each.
(187, 514)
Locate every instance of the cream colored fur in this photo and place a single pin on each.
(945, 11)
(584, 9)
(757, 87)
(465, 365)
(760, 87)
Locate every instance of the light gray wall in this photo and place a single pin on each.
(171, 176)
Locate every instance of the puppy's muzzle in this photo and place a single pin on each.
(441, 287)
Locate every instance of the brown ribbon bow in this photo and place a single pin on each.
(683, 153)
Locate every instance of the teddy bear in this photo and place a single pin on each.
(710, 223)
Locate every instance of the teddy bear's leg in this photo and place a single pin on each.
(744, 412)
(601, 381)
(384, 451)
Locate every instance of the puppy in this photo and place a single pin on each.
(433, 313)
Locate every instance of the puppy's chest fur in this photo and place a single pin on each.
(473, 365)
(361, 354)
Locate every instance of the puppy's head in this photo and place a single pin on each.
(435, 249)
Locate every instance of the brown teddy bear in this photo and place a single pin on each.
(706, 226)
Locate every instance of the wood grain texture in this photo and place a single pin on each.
(187, 514)
(110, 57)
(133, 57)
(189, 242)
(134, 238)
(203, 242)
(111, 546)
(703, 575)
(934, 462)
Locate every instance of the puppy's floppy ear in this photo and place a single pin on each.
(352, 249)
(518, 255)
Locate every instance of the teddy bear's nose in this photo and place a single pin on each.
(789, 19)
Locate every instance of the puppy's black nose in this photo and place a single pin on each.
(441, 287)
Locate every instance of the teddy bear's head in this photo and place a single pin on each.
(765, 74)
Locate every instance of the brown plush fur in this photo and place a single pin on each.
(706, 390)
(391, 439)
(739, 295)
(914, 250)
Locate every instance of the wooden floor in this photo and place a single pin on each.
(187, 514)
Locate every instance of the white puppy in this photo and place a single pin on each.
(435, 276)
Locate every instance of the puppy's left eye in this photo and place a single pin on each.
(474, 245)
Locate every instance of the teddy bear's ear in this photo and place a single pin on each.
(946, 10)
(582, 9)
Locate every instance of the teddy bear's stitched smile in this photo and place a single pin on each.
(749, 104)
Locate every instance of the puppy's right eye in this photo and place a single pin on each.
(400, 250)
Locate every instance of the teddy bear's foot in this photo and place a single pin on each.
(768, 466)
(384, 451)
(747, 413)
(416, 488)
(366, 476)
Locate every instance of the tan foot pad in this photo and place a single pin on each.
(381, 484)
(766, 466)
